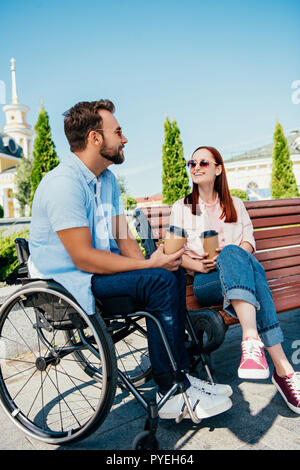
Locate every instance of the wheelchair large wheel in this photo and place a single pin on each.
(43, 387)
(131, 347)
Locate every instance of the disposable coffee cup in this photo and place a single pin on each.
(175, 239)
(210, 241)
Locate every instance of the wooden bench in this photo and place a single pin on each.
(277, 234)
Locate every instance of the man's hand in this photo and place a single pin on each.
(170, 262)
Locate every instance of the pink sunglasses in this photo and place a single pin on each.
(203, 163)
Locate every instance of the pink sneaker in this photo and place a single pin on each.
(253, 363)
(289, 388)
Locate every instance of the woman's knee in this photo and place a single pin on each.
(231, 250)
(207, 288)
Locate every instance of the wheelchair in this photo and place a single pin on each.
(60, 368)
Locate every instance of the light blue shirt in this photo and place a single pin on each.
(66, 198)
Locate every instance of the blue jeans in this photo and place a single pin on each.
(240, 276)
(162, 293)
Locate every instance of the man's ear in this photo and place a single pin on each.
(95, 138)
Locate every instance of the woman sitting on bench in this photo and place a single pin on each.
(233, 277)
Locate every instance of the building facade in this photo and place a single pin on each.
(252, 170)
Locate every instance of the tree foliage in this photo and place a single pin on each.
(44, 154)
(8, 255)
(239, 193)
(23, 186)
(128, 201)
(175, 180)
(283, 181)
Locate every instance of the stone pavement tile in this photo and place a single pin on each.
(279, 438)
(118, 438)
(289, 420)
(12, 438)
(254, 446)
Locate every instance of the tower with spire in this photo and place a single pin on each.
(15, 113)
(15, 140)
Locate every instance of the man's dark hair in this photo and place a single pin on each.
(83, 118)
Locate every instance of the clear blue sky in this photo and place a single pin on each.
(222, 69)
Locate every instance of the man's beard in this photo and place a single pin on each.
(116, 157)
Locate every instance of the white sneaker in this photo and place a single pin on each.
(203, 404)
(216, 389)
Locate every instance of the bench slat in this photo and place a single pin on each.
(264, 234)
(155, 211)
(276, 221)
(272, 203)
(288, 290)
(285, 303)
(274, 274)
(277, 254)
(158, 222)
(288, 281)
(281, 263)
(277, 242)
(273, 211)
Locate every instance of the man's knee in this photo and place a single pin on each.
(163, 276)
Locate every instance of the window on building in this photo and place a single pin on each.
(252, 185)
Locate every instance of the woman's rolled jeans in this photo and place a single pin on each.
(240, 276)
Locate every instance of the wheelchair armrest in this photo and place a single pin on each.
(22, 248)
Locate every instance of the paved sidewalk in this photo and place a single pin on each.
(259, 418)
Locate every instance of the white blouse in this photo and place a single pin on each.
(233, 233)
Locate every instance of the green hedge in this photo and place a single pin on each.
(8, 255)
(240, 193)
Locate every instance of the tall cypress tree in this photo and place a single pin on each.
(44, 154)
(175, 180)
(283, 181)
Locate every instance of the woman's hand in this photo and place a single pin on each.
(207, 265)
(210, 264)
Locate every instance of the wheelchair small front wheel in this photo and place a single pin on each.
(43, 388)
(145, 440)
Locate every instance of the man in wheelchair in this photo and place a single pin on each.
(80, 238)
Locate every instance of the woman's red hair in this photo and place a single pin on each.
(221, 186)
